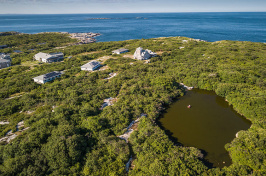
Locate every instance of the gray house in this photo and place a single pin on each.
(3, 46)
(5, 60)
(47, 77)
(48, 58)
(120, 51)
(141, 54)
(17, 51)
(91, 66)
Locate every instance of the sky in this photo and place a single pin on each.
(128, 6)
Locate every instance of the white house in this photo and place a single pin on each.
(141, 54)
(91, 66)
(48, 58)
(47, 77)
(120, 51)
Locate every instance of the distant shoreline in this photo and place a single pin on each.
(124, 13)
(209, 26)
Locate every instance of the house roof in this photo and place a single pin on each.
(48, 75)
(120, 50)
(91, 64)
(57, 54)
(47, 56)
(4, 56)
(4, 60)
(17, 51)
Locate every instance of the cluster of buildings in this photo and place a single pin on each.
(140, 54)
(5, 60)
(48, 58)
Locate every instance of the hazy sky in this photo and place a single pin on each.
(128, 6)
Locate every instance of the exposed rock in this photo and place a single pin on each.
(127, 134)
(111, 75)
(29, 112)
(108, 102)
(53, 107)
(141, 54)
(84, 38)
(128, 164)
(237, 134)
(13, 97)
(4, 123)
(186, 87)
(10, 135)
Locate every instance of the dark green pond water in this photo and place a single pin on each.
(209, 124)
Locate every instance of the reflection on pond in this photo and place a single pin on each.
(209, 124)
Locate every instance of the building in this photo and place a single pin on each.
(91, 66)
(141, 54)
(47, 77)
(5, 56)
(5, 60)
(3, 46)
(120, 51)
(17, 51)
(48, 58)
(4, 63)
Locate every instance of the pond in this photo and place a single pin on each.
(208, 125)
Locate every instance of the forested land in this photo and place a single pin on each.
(70, 135)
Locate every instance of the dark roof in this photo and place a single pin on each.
(48, 75)
(17, 51)
(52, 74)
(3, 46)
(120, 50)
(91, 64)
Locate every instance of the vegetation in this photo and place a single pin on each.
(70, 135)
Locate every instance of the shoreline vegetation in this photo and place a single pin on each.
(68, 134)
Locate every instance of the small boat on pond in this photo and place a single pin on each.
(189, 106)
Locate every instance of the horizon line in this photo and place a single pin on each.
(131, 13)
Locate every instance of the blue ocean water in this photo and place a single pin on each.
(242, 26)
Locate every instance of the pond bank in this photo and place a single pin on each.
(208, 125)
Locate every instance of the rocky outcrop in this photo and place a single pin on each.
(141, 54)
(4, 123)
(186, 87)
(10, 135)
(130, 129)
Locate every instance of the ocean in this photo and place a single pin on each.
(240, 26)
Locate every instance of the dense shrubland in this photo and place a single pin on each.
(80, 139)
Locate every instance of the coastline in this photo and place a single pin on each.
(157, 25)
